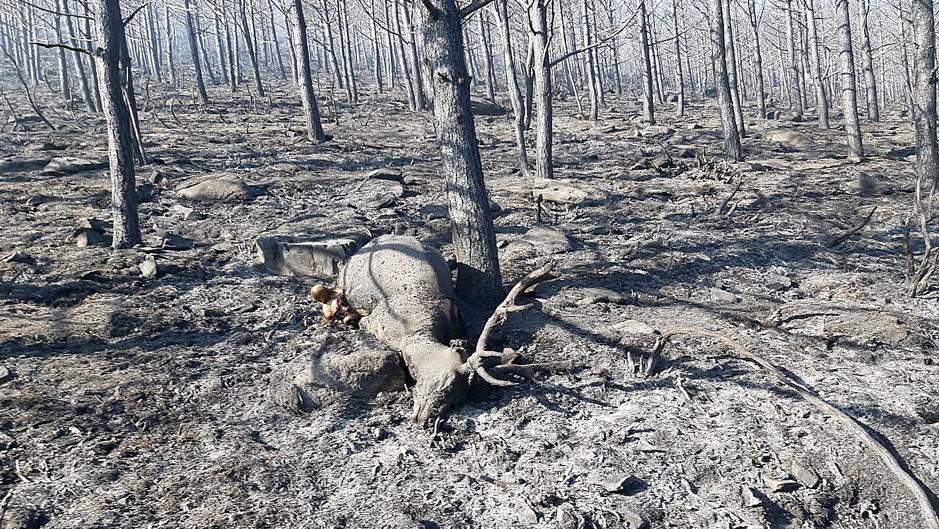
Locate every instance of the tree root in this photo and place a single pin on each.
(891, 460)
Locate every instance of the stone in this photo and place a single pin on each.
(89, 237)
(148, 268)
(69, 165)
(789, 116)
(437, 225)
(156, 177)
(867, 184)
(783, 484)
(749, 497)
(146, 192)
(550, 191)
(186, 213)
(376, 201)
(434, 210)
(527, 515)
(927, 409)
(722, 296)
(385, 173)
(546, 240)
(21, 258)
(805, 476)
(752, 167)
(625, 484)
(635, 327)
(671, 98)
(790, 139)
(380, 186)
(21, 166)
(653, 131)
(307, 258)
(778, 283)
(633, 520)
(684, 151)
(171, 241)
(223, 188)
(6, 375)
(595, 295)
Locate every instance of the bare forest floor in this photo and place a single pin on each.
(135, 402)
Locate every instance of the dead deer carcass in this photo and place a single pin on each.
(404, 291)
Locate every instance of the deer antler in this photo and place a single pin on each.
(474, 362)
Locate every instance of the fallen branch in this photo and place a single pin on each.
(888, 457)
(847, 235)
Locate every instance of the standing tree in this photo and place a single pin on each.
(867, 62)
(648, 111)
(849, 83)
(314, 129)
(110, 55)
(732, 147)
(821, 99)
(479, 281)
(194, 52)
(920, 270)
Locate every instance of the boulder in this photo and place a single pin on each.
(653, 131)
(867, 184)
(68, 165)
(220, 188)
(550, 191)
(385, 173)
(176, 242)
(148, 268)
(546, 240)
(790, 139)
(306, 258)
(596, 295)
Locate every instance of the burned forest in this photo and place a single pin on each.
(575, 264)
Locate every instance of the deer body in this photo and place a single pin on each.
(406, 290)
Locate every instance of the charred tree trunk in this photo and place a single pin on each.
(821, 98)
(479, 281)
(733, 79)
(795, 92)
(311, 111)
(110, 44)
(648, 109)
(542, 88)
(679, 72)
(79, 59)
(486, 50)
(867, 61)
(65, 87)
(515, 92)
(252, 51)
(194, 52)
(924, 68)
(852, 126)
(732, 147)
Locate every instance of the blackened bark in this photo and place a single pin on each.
(110, 43)
(479, 281)
(310, 108)
(732, 147)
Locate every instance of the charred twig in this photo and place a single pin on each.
(730, 197)
(887, 457)
(847, 235)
